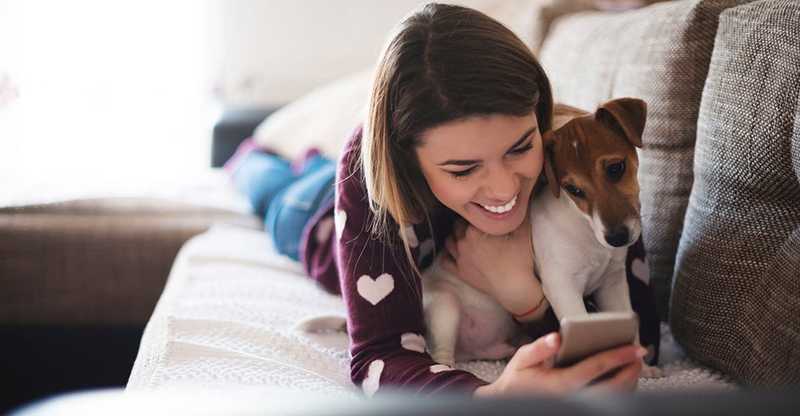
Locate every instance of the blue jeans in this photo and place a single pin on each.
(261, 176)
(286, 200)
(295, 205)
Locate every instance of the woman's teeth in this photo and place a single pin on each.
(502, 208)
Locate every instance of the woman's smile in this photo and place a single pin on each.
(502, 209)
(484, 168)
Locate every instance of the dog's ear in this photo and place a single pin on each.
(626, 116)
(548, 142)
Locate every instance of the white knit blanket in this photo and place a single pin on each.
(227, 318)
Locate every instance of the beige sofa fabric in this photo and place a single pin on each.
(736, 300)
(324, 118)
(94, 262)
(229, 314)
(660, 54)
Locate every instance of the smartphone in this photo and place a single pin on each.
(584, 336)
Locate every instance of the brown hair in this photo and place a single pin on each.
(442, 63)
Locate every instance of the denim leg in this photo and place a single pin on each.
(295, 205)
(261, 176)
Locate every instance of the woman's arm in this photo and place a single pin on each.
(383, 299)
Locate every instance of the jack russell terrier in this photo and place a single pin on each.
(593, 158)
(583, 232)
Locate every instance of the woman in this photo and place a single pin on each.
(456, 114)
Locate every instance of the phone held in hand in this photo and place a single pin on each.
(584, 336)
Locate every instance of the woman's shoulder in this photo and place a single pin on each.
(351, 151)
(351, 190)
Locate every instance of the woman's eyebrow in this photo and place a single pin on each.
(472, 162)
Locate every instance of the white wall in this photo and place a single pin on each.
(108, 92)
(273, 51)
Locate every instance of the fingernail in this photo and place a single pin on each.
(641, 352)
(550, 340)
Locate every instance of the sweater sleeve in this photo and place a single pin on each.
(383, 298)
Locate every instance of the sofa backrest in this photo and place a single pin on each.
(660, 54)
(736, 297)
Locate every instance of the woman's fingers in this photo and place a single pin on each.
(536, 353)
(590, 368)
(625, 379)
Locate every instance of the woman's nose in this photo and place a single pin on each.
(501, 185)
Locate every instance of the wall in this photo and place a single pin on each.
(266, 52)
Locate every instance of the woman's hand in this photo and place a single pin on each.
(500, 266)
(530, 371)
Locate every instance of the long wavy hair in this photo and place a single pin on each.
(442, 63)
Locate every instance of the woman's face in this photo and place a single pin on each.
(484, 168)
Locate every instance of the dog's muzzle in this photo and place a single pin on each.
(618, 236)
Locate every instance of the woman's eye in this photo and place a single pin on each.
(462, 173)
(575, 191)
(522, 149)
(615, 170)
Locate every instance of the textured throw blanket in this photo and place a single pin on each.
(228, 314)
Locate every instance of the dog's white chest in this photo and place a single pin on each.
(567, 253)
(594, 267)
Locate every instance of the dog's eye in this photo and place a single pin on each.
(615, 170)
(575, 191)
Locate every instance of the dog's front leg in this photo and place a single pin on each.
(614, 296)
(565, 299)
(442, 316)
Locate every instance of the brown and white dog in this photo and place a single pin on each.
(583, 226)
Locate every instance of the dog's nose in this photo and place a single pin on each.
(618, 236)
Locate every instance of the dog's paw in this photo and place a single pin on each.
(445, 358)
(322, 324)
(649, 371)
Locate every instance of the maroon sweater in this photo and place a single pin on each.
(383, 297)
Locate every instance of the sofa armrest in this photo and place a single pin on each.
(94, 262)
(234, 126)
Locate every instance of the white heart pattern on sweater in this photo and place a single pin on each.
(426, 248)
(641, 270)
(339, 219)
(324, 229)
(375, 290)
(413, 342)
(373, 379)
(411, 236)
(438, 368)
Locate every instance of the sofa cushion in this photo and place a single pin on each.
(659, 54)
(229, 317)
(323, 118)
(736, 300)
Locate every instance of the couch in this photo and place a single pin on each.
(228, 313)
(720, 213)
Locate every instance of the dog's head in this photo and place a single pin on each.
(593, 159)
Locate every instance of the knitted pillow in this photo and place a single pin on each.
(736, 299)
(659, 54)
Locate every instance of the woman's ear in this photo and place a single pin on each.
(626, 116)
(548, 142)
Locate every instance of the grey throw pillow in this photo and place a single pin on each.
(659, 54)
(736, 296)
